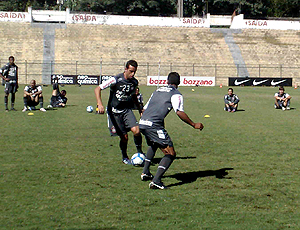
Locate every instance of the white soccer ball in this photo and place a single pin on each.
(89, 109)
(138, 159)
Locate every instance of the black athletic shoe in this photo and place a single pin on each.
(153, 185)
(145, 177)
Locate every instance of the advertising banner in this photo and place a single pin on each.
(184, 81)
(75, 79)
(248, 81)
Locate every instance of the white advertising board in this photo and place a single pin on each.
(184, 81)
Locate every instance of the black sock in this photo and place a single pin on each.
(13, 96)
(123, 147)
(163, 166)
(41, 101)
(5, 101)
(138, 143)
(55, 86)
(149, 156)
(25, 101)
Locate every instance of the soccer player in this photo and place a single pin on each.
(58, 98)
(282, 99)
(231, 101)
(140, 99)
(119, 107)
(151, 124)
(33, 96)
(9, 73)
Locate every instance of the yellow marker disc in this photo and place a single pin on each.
(206, 116)
(30, 114)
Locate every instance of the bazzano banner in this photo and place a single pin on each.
(184, 81)
(247, 81)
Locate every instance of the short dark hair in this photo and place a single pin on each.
(173, 78)
(230, 89)
(64, 91)
(132, 63)
(281, 88)
(11, 57)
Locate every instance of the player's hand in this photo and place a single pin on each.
(101, 109)
(7, 79)
(199, 126)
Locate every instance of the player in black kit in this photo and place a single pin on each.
(9, 73)
(162, 101)
(119, 108)
(58, 98)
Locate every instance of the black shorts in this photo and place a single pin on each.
(31, 103)
(123, 122)
(159, 137)
(10, 87)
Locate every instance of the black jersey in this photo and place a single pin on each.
(161, 102)
(29, 89)
(121, 91)
(229, 99)
(11, 72)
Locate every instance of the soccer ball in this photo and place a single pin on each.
(89, 109)
(138, 159)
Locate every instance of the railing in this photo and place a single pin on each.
(42, 72)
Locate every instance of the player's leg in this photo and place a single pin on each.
(41, 102)
(13, 96)
(55, 89)
(131, 122)
(118, 122)
(277, 104)
(146, 175)
(6, 94)
(288, 104)
(234, 108)
(163, 166)
(227, 107)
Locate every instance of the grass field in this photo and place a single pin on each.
(62, 170)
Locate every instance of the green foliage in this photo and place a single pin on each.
(62, 170)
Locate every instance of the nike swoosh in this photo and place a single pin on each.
(276, 83)
(236, 82)
(259, 82)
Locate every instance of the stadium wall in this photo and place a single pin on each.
(42, 49)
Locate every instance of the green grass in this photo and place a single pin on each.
(62, 170)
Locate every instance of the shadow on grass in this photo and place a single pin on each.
(157, 160)
(190, 177)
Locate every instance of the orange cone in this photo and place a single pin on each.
(295, 86)
(221, 85)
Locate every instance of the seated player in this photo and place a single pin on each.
(231, 101)
(58, 98)
(282, 99)
(33, 96)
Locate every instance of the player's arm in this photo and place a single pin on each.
(3, 73)
(288, 97)
(40, 90)
(177, 104)
(98, 90)
(136, 102)
(184, 117)
(26, 91)
(226, 100)
(236, 99)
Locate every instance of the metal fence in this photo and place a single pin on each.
(42, 71)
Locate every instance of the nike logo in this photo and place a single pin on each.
(276, 83)
(236, 82)
(259, 82)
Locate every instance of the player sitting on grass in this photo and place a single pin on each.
(231, 101)
(58, 98)
(33, 96)
(162, 101)
(282, 99)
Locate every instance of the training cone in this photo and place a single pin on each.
(221, 85)
(295, 86)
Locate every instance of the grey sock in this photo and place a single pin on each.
(149, 156)
(163, 166)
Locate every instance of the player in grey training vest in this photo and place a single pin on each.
(119, 107)
(161, 102)
(282, 99)
(231, 101)
(9, 73)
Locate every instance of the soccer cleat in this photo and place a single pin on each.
(145, 177)
(153, 185)
(126, 161)
(49, 106)
(6, 110)
(288, 108)
(42, 109)
(24, 110)
(283, 108)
